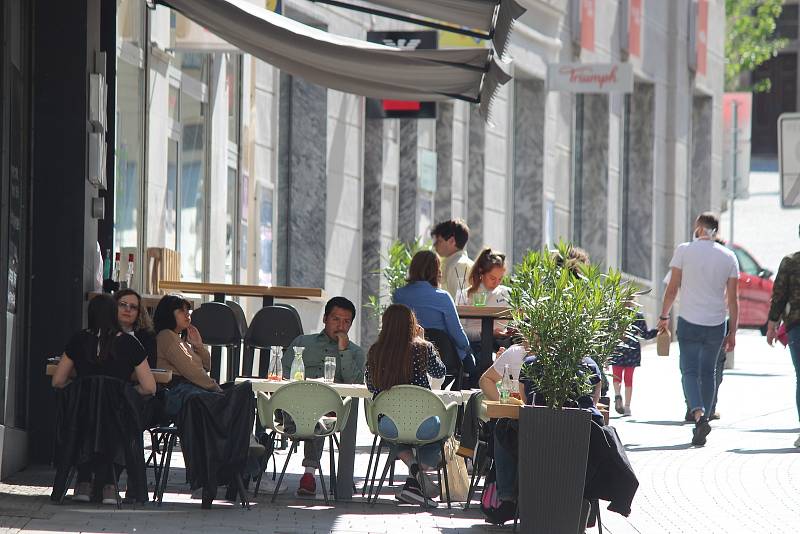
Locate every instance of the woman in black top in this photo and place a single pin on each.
(102, 349)
(403, 356)
(133, 319)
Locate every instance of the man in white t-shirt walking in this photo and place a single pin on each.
(706, 273)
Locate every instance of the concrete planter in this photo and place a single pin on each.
(554, 445)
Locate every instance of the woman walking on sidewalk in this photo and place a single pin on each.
(785, 307)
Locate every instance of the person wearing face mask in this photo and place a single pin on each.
(706, 274)
(133, 319)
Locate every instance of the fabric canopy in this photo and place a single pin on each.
(473, 14)
(350, 65)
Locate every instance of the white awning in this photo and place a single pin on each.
(350, 65)
(473, 14)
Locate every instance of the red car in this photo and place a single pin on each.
(755, 290)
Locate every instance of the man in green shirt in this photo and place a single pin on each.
(350, 361)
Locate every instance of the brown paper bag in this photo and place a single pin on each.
(663, 340)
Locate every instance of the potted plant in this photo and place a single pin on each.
(564, 311)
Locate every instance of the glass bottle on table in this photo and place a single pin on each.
(275, 371)
(505, 385)
(298, 371)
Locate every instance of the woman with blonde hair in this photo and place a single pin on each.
(403, 356)
(486, 286)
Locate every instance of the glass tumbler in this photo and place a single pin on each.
(330, 369)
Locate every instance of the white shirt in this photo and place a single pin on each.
(513, 357)
(706, 267)
(455, 273)
(497, 297)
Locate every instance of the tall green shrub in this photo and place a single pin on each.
(564, 317)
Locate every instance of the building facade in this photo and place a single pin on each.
(259, 177)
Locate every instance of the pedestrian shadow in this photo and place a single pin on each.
(678, 447)
(659, 423)
(741, 373)
(776, 430)
(785, 450)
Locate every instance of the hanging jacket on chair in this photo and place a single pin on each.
(609, 475)
(215, 434)
(99, 415)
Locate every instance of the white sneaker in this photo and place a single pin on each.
(626, 410)
(797, 442)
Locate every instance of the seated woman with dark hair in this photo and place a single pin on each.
(433, 307)
(133, 319)
(102, 349)
(181, 350)
(402, 356)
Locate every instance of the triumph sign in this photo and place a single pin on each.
(590, 77)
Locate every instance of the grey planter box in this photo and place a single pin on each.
(553, 448)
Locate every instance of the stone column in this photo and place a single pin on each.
(443, 202)
(591, 179)
(302, 189)
(529, 123)
(475, 180)
(408, 187)
(700, 189)
(637, 219)
(371, 225)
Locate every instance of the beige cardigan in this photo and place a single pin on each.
(184, 359)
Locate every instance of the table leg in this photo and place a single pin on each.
(484, 360)
(347, 454)
(268, 300)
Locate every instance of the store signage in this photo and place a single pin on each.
(590, 77)
(587, 25)
(402, 109)
(789, 159)
(702, 36)
(635, 28)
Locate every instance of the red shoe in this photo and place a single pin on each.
(307, 485)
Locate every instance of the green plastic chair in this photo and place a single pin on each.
(482, 461)
(408, 407)
(307, 403)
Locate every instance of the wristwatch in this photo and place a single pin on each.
(664, 317)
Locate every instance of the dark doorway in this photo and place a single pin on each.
(782, 70)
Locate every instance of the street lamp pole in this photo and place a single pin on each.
(735, 152)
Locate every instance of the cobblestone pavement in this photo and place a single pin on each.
(746, 479)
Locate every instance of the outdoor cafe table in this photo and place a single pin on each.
(487, 315)
(347, 440)
(267, 293)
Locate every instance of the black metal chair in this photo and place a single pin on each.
(449, 356)
(219, 327)
(240, 317)
(272, 326)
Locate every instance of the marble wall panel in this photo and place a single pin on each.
(371, 223)
(591, 179)
(443, 201)
(408, 191)
(701, 150)
(302, 191)
(529, 124)
(637, 219)
(475, 180)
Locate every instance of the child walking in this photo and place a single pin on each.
(626, 358)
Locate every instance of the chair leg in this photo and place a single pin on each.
(391, 475)
(283, 471)
(369, 464)
(333, 470)
(242, 492)
(389, 461)
(67, 484)
(322, 483)
(477, 468)
(116, 486)
(165, 471)
(266, 465)
(375, 469)
(446, 482)
(247, 361)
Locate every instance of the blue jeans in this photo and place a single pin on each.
(794, 349)
(505, 468)
(428, 455)
(699, 346)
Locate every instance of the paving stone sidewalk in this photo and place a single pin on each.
(746, 479)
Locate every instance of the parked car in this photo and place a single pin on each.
(755, 290)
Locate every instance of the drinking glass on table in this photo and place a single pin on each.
(479, 299)
(436, 383)
(330, 369)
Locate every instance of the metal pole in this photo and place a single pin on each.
(735, 135)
